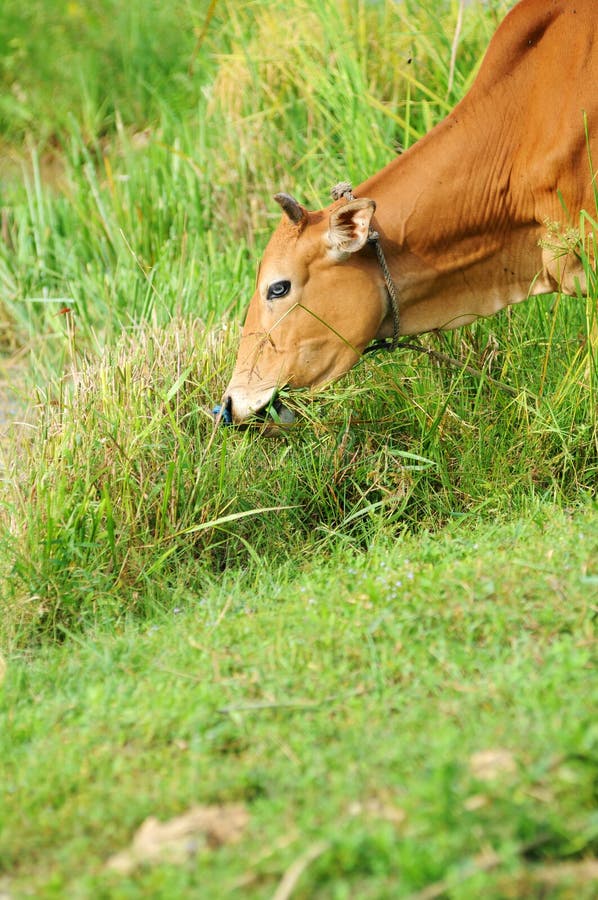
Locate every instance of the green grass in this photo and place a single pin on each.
(326, 626)
(124, 478)
(354, 722)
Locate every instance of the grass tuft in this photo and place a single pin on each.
(126, 477)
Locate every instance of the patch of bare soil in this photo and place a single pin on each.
(175, 841)
(10, 407)
(15, 417)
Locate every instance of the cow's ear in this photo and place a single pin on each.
(350, 225)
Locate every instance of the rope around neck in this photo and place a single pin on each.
(344, 189)
(392, 343)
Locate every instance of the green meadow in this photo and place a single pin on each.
(355, 660)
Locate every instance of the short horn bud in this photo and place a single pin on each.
(292, 208)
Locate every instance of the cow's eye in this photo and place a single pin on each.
(278, 289)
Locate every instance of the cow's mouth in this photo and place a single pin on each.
(274, 415)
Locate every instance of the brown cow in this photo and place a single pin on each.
(466, 217)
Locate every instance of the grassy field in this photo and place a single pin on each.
(354, 661)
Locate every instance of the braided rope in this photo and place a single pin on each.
(393, 343)
(342, 189)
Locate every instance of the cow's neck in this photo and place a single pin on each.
(458, 242)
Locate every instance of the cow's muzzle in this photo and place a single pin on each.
(272, 416)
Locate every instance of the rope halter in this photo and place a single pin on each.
(345, 190)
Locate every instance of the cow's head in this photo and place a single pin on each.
(319, 301)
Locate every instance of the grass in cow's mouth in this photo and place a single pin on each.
(374, 631)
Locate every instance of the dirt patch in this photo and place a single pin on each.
(179, 839)
(17, 164)
(13, 400)
(8, 409)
